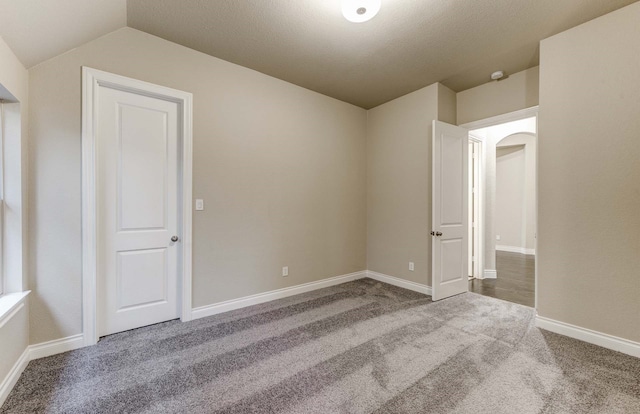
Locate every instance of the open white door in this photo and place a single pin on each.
(450, 212)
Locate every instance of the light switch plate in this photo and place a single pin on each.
(199, 204)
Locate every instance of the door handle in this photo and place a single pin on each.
(174, 239)
(438, 233)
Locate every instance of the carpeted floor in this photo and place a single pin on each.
(361, 347)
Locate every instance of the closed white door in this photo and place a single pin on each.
(450, 211)
(137, 188)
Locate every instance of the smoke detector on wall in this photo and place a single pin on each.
(497, 75)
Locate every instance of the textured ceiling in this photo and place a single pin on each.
(408, 45)
(37, 30)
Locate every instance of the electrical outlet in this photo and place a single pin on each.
(497, 237)
(411, 266)
(285, 271)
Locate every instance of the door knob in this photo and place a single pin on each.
(438, 233)
(174, 239)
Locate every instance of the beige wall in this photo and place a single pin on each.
(518, 91)
(281, 170)
(589, 175)
(510, 193)
(515, 217)
(446, 104)
(399, 181)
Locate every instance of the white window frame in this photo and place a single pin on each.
(13, 290)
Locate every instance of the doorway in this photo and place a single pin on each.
(136, 221)
(505, 193)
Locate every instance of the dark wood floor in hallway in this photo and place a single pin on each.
(515, 282)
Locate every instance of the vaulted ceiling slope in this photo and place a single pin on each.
(408, 45)
(37, 30)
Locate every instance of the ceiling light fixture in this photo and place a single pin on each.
(359, 11)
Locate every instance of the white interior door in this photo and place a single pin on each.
(450, 210)
(137, 210)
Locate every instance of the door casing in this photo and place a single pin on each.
(92, 81)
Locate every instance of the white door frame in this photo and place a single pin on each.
(502, 119)
(92, 79)
(478, 240)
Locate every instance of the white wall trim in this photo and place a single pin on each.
(92, 79)
(490, 274)
(502, 119)
(395, 281)
(515, 249)
(36, 351)
(587, 335)
(12, 377)
(56, 346)
(220, 307)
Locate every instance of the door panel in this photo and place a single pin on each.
(451, 257)
(143, 137)
(137, 150)
(451, 176)
(450, 212)
(142, 278)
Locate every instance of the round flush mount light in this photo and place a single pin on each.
(359, 11)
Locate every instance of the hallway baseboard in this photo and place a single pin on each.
(490, 274)
(516, 249)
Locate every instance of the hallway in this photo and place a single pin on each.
(515, 282)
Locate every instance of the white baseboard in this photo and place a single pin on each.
(57, 346)
(417, 287)
(515, 249)
(226, 306)
(36, 351)
(587, 335)
(12, 377)
(490, 274)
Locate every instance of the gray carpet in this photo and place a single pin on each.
(361, 347)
